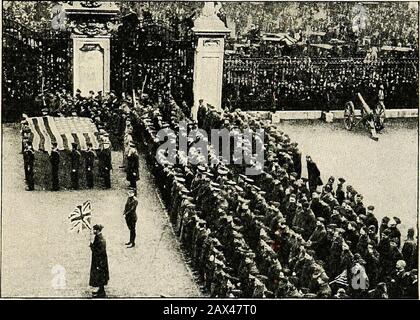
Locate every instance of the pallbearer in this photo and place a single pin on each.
(29, 158)
(75, 165)
(55, 162)
(89, 162)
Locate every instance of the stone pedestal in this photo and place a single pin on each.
(210, 32)
(91, 64)
(91, 26)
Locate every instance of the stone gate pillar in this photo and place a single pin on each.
(210, 34)
(91, 24)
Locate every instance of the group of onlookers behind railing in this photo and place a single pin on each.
(305, 84)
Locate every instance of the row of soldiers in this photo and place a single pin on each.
(108, 112)
(78, 161)
(277, 234)
(85, 159)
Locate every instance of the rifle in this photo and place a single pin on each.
(42, 92)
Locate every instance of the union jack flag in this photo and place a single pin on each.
(80, 217)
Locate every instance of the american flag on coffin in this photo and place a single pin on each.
(80, 217)
(62, 130)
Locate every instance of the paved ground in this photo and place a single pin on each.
(385, 172)
(35, 238)
(34, 225)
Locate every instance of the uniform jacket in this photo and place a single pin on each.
(130, 210)
(105, 163)
(75, 160)
(55, 159)
(29, 158)
(133, 166)
(90, 159)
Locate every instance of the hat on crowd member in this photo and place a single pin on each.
(371, 208)
(201, 168)
(401, 264)
(321, 219)
(98, 227)
(396, 221)
(385, 219)
(222, 171)
(341, 180)
(372, 228)
(179, 179)
(74, 144)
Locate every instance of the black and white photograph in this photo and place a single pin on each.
(190, 149)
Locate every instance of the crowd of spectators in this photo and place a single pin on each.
(303, 84)
(278, 234)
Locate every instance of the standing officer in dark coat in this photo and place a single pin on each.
(314, 174)
(131, 217)
(89, 162)
(75, 165)
(28, 159)
(55, 162)
(99, 272)
(133, 166)
(105, 164)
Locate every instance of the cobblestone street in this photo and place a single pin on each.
(35, 237)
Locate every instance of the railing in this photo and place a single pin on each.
(154, 57)
(32, 62)
(317, 84)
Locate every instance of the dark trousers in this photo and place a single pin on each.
(133, 182)
(107, 179)
(75, 180)
(30, 179)
(26, 173)
(132, 227)
(89, 178)
(55, 181)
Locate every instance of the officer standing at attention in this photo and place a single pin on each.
(29, 158)
(130, 216)
(55, 162)
(133, 166)
(89, 162)
(75, 165)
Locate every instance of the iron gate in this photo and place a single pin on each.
(154, 57)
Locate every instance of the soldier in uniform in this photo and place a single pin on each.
(28, 159)
(105, 164)
(75, 165)
(340, 194)
(133, 166)
(131, 217)
(55, 162)
(313, 174)
(89, 162)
